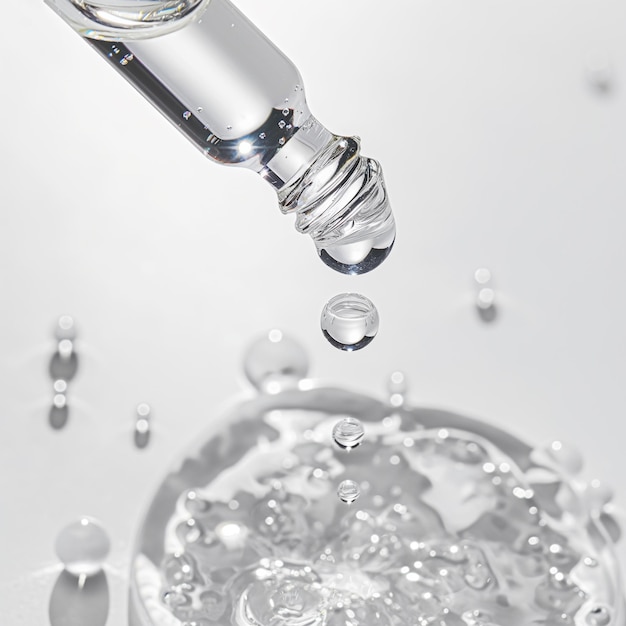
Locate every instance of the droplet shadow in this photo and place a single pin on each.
(488, 314)
(142, 439)
(63, 368)
(58, 416)
(73, 604)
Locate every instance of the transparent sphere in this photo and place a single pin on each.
(348, 491)
(275, 362)
(82, 547)
(349, 321)
(348, 433)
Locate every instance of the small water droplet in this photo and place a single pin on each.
(348, 491)
(281, 141)
(282, 124)
(199, 109)
(275, 361)
(348, 433)
(187, 114)
(66, 349)
(349, 321)
(59, 400)
(66, 328)
(397, 388)
(262, 135)
(60, 386)
(285, 112)
(82, 547)
(229, 127)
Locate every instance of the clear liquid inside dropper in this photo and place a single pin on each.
(241, 101)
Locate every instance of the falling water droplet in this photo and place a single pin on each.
(348, 433)
(349, 321)
(82, 547)
(348, 491)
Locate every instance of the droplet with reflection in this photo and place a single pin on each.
(275, 362)
(82, 547)
(143, 420)
(397, 388)
(349, 321)
(348, 433)
(348, 491)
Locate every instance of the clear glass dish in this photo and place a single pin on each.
(457, 523)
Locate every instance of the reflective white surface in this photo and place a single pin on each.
(499, 151)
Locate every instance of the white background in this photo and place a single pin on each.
(497, 152)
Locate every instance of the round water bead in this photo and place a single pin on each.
(348, 491)
(348, 433)
(82, 547)
(349, 321)
(274, 362)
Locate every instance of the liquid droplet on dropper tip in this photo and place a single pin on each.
(348, 491)
(349, 321)
(360, 256)
(82, 547)
(348, 433)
